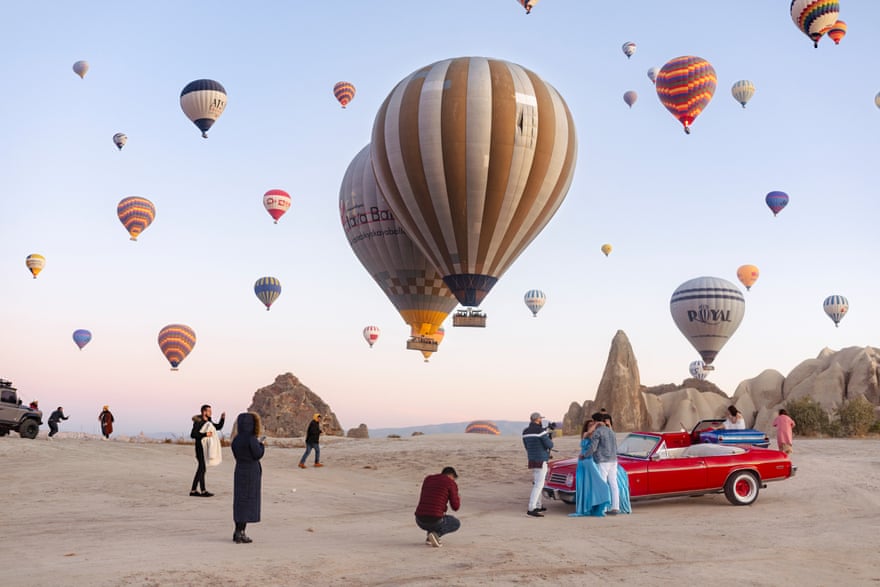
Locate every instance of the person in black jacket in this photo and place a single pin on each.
(56, 417)
(313, 436)
(537, 442)
(198, 422)
(248, 449)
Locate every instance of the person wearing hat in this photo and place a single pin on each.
(537, 441)
(431, 516)
(106, 419)
(313, 436)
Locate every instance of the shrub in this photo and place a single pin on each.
(809, 417)
(856, 417)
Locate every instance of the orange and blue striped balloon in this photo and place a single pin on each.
(685, 86)
(837, 32)
(344, 92)
(176, 341)
(136, 214)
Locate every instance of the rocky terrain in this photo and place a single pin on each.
(287, 406)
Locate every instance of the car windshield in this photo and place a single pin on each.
(637, 445)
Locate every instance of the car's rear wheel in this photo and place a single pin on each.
(742, 488)
(29, 429)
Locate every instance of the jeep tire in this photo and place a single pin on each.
(29, 429)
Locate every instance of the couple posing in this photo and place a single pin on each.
(602, 484)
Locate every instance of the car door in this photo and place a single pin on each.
(675, 474)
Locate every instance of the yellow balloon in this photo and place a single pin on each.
(748, 275)
(35, 263)
(606, 248)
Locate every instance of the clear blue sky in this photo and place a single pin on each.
(673, 206)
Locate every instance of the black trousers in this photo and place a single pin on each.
(199, 479)
(53, 428)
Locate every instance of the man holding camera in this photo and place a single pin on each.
(537, 441)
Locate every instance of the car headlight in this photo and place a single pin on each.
(569, 480)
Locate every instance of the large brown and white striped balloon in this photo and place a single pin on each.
(474, 156)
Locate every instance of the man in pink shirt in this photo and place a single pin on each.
(784, 425)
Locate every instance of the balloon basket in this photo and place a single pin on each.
(470, 317)
(421, 343)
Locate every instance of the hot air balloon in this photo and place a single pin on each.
(267, 290)
(776, 201)
(707, 310)
(652, 74)
(630, 97)
(748, 275)
(135, 214)
(176, 342)
(35, 263)
(535, 300)
(698, 370)
(628, 49)
(742, 91)
(837, 32)
(119, 139)
(473, 190)
(814, 17)
(81, 337)
(685, 86)
(344, 92)
(81, 68)
(203, 101)
(436, 337)
(877, 100)
(389, 255)
(371, 334)
(276, 202)
(527, 4)
(482, 427)
(606, 248)
(836, 307)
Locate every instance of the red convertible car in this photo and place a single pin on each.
(673, 464)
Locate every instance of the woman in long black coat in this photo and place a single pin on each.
(247, 450)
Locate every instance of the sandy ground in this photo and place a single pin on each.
(79, 511)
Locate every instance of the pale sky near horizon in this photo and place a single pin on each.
(673, 206)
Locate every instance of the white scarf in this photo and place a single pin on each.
(211, 445)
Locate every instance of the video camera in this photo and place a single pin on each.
(551, 426)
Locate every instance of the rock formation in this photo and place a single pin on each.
(359, 432)
(620, 390)
(287, 406)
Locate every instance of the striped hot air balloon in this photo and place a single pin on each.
(474, 156)
(344, 92)
(135, 214)
(629, 49)
(836, 308)
(697, 370)
(776, 201)
(527, 4)
(747, 275)
(35, 263)
(203, 101)
(176, 341)
(119, 139)
(707, 310)
(277, 203)
(535, 300)
(685, 86)
(814, 17)
(652, 74)
(837, 32)
(438, 338)
(371, 334)
(742, 91)
(267, 290)
(81, 337)
(482, 427)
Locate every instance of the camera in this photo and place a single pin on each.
(550, 426)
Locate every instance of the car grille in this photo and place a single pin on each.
(558, 478)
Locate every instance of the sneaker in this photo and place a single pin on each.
(318, 465)
(302, 466)
(195, 494)
(540, 508)
(535, 513)
(434, 540)
(612, 512)
(207, 494)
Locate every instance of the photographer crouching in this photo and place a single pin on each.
(536, 439)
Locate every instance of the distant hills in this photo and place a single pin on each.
(506, 427)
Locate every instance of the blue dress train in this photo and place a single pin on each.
(592, 496)
(623, 490)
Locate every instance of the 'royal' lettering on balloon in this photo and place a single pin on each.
(707, 315)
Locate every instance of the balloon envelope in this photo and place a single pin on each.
(267, 290)
(119, 139)
(203, 101)
(628, 48)
(707, 310)
(389, 255)
(606, 248)
(837, 32)
(81, 337)
(344, 92)
(698, 370)
(135, 214)
(652, 74)
(814, 17)
(35, 263)
(474, 156)
(277, 203)
(685, 86)
(535, 300)
(630, 97)
(81, 68)
(836, 308)
(776, 201)
(742, 91)
(482, 427)
(748, 275)
(176, 341)
(527, 4)
(371, 334)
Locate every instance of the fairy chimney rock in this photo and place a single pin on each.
(620, 388)
(287, 406)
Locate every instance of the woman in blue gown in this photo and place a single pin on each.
(592, 496)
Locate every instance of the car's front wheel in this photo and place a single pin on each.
(742, 488)
(29, 429)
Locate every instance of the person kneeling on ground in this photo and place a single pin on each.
(431, 515)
